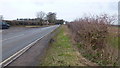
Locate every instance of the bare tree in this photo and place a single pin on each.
(40, 17)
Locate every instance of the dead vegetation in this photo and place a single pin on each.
(92, 35)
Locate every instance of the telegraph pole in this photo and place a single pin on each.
(1, 18)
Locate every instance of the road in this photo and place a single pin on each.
(13, 42)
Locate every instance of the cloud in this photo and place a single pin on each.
(66, 9)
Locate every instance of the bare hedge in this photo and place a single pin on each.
(92, 34)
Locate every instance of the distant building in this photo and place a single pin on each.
(46, 22)
(64, 22)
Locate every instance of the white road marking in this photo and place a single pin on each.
(20, 52)
(13, 37)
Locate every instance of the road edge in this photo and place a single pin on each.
(22, 51)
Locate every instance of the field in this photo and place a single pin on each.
(114, 37)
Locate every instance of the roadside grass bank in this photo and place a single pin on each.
(61, 51)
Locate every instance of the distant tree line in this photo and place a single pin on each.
(41, 19)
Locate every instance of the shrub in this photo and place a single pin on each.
(92, 32)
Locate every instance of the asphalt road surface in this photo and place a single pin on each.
(13, 42)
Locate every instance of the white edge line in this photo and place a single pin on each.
(20, 52)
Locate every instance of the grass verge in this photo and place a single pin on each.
(61, 51)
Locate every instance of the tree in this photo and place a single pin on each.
(40, 17)
(51, 17)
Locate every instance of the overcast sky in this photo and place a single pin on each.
(65, 9)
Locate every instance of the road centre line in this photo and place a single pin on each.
(13, 37)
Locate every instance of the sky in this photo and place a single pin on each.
(68, 10)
